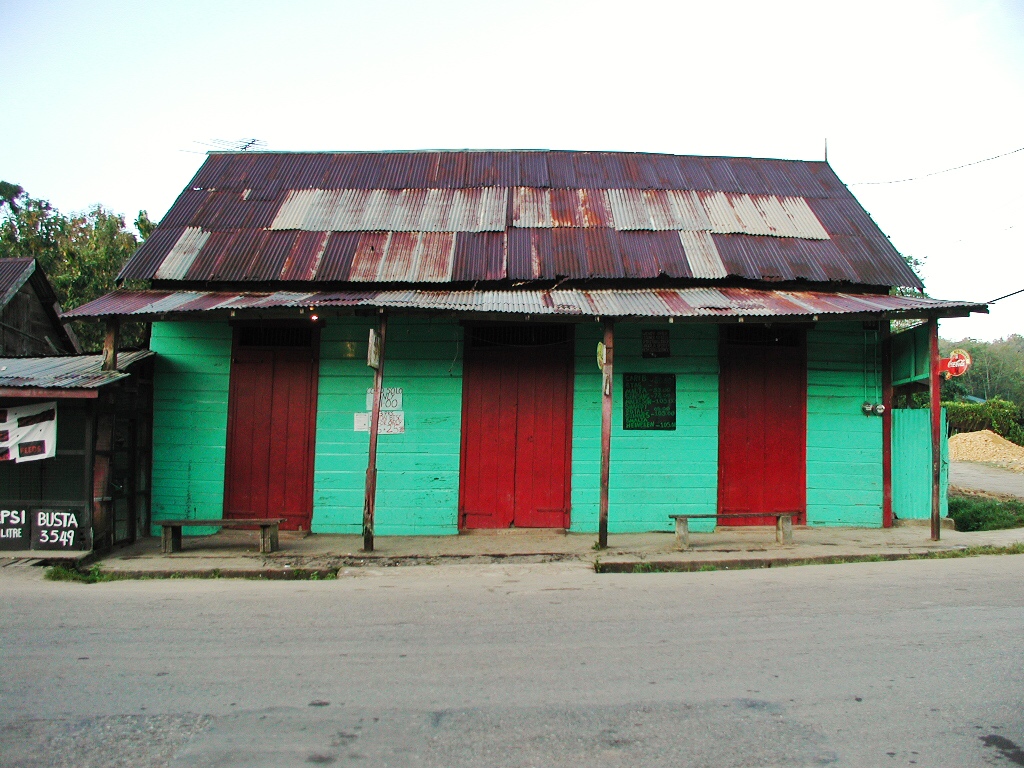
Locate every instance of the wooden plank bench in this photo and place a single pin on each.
(170, 539)
(783, 525)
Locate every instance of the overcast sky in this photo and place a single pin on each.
(116, 102)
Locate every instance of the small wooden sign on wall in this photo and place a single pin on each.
(649, 401)
(654, 343)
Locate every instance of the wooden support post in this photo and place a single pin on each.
(934, 387)
(370, 498)
(110, 342)
(606, 430)
(886, 340)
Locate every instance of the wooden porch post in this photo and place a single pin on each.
(934, 387)
(370, 498)
(110, 342)
(886, 339)
(606, 430)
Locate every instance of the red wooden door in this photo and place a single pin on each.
(271, 426)
(516, 427)
(762, 428)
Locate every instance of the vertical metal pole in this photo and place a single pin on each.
(886, 341)
(934, 387)
(606, 430)
(370, 498)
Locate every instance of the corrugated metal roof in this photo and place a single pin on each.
(633, 302)
(72, 372)
(340, 217)
(14, 273)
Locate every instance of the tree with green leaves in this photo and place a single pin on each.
(81, 254)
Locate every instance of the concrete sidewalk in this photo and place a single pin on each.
(236, 553)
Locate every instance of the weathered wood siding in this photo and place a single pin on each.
(653, 473)
(844, 447)
(25, 328)
(190, 416)
(912, 464)
(417, 472)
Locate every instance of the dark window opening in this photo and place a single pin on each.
(274, 336)
(762, 335)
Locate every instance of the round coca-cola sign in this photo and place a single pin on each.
(959, 362)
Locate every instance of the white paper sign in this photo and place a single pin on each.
(28, 432)
(391, 422)
(390, 399)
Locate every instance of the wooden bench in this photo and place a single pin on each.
(170, 540)
(783, 525)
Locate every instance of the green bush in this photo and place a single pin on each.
(976, 513)
(1001, 416)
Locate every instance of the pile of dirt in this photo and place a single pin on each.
(988, 447)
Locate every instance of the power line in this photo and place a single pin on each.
(993, 301)
(935, 173)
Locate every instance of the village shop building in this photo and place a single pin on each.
(743, 305)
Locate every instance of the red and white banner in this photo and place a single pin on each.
(28, 432)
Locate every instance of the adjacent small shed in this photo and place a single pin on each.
(29, 313)
(90, 489)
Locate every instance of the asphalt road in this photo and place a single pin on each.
(871, 664)
(982, 477)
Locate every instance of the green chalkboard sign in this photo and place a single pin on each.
(648, 401)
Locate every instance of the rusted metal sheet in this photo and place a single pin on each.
(638, 302)
(238, 219)
(14, 273)
(396, 210)
(70, 372)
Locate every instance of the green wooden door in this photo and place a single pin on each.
(912, 464)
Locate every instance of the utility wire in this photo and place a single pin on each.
(935, 173)
(993, 301)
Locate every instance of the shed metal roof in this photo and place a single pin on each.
(14, 273)
(704, 302)
(69, 372)
(464, 216)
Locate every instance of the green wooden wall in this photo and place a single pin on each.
(418, 471)
(190, 417)
(844, 447)
(653, 473)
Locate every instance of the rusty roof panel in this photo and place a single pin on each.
(234, 196)
(479, 256)
(338, 254)
(725, 303)
(240, 253)
(66, 372)
(368, 256)
(14, 273)
(182, 254)
(404, 210)
(702, 256)
(305, 256)
(436, 259)
(658, 209)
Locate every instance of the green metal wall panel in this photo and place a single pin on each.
(653, 473)
(844, 447)
(190, 416)
(912, 465)
(418, 471)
